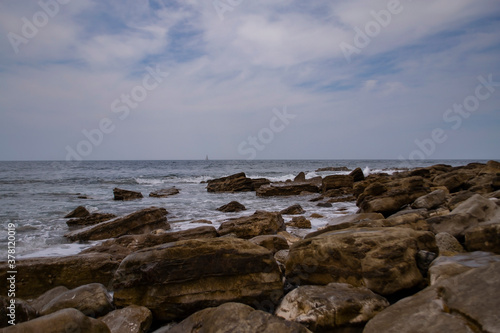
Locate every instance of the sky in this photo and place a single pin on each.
(241, 79)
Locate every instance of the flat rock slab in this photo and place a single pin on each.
(260, 223)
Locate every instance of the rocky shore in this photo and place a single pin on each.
(422, 254)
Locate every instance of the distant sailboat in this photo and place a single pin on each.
(206, 158)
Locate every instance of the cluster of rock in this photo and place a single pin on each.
(421, 255)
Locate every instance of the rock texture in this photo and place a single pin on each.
(300, 222)
(163, 193)
(337, 181)
(484, 237)
(125, 195)
(287, 189)
(273, 243)
(232, 207)
(132, 319)
(431, 200)
(235, 183)
(79, 211)
(468, 302)
(176, 279)
(91, 219)
(382, 259)
(293, 210)
(143, 221)
(21, 312)
(235, 317)
(260, 223)
(330, 307)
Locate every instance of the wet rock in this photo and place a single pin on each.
(67, 320)
(286, 189)
(143, 221)
(344, 222)
(273, 243)
(21, 312)
(430, 201)
(337, 181)
(382, 259)
(300, 222)
(132, 319)
(357, 175)
(448, 245)
(324, 205)
(125, 195)
(163, 193)
(175, 280)
(79, 211)
(232, 207)
(235, 183)
(260, 223)
(91, 219)
(293, 210)
(457, 304)
(331, 307)
(92, 300)
(235, 317)
(301, 177)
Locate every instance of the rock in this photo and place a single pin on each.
(202, 221)
(125, 245)
(79, 211)
(484, 237)
(126, 195)
(357, 175)
(454, 181)
(235, 317)
(232, 207)
(458, 304)
(291, 239)
(445, 267)
(69, 271)
(448, 245)
(342, 168)
(92, 300)
(454, 224)
(336, 182)
(260, 223)
(293, 210)
(176, 279)
(382, 259)
(163, 193)
(316, 216)
(235, 183)
(424, 259)
(344, 222)
(273, 243)
(21, 312)
(46, 297)
(458, 198)
(91, 219)
(132, 319)
(281, 256)
(67, 320)
(477, 207)
(301, 177)
(143, 221)
(300, 222)
(430, 201)
(331, 307)
(286, 189)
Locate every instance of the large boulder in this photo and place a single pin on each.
(344, 222)
(331, 307)
(357, 175)
(92, 300)
(67, 320)
(431, 200)
(381, 259)
(260, 223)
(143, 221)
(454, 181)
(337, 181)
(448, 245)
(235, 317)
(175, 280)
(273, 243)
(125, 195)
(235, 183)
(467, 302)
(484, 237)
(132, 319)
(287, 189)
(42, 274)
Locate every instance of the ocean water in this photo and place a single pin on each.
(35, 196)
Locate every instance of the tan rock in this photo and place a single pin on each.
(484, 237)
(132, 319)
(125, 195)
(448, 245)
(300, 222)
(273, 243)
(260, 223)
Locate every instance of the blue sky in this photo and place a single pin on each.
(248, 79)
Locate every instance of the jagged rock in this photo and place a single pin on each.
(448, 245)
(260, 223)
(336, 182)
(382, 259)
(125, 195)
(20, 312)
(331, 307)
(467, 302)
(143, 221)
(92, 300)
(91, 219)
(176, 279)
(125, 245)
(79, 211)
(286, 189)
(163, 193)
(357, 175)
(235, 183)
(235, 317)
(300, 222)
(446, 267)
(301, 177)
(132, 319)
(293, 210)
(232, 207)
(69, 271)
(484, 237)
(67, 320)
(430, 201)
(273, 243)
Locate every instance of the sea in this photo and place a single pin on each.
(36, 195)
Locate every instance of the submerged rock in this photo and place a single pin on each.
(293, 210)
(232, 207)
(164, 192)
(125, 195)
(79, 211)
